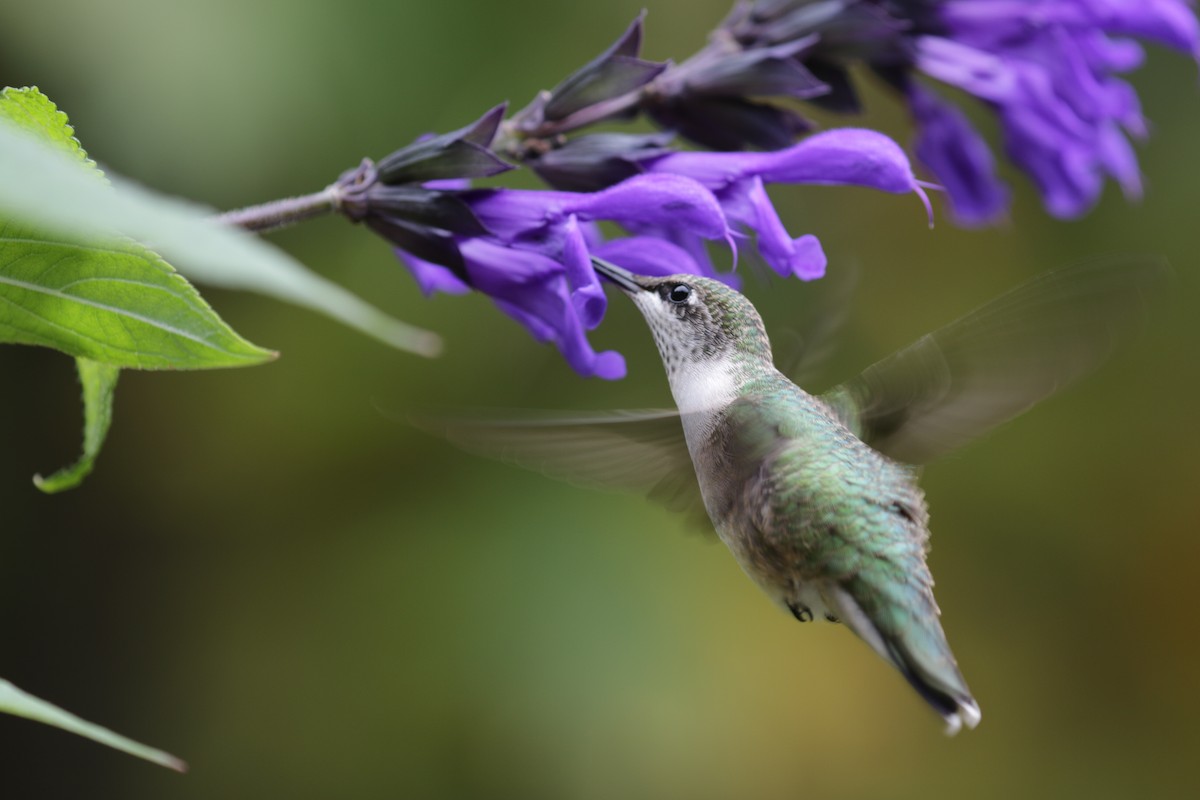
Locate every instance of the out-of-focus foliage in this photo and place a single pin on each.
(85, 216)
(22, 704)
(107, 300)
(305, 598)
(99, 383)
(74, 278)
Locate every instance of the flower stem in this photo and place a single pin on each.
(282, 213)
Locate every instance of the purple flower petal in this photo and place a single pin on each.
(970, 68)
(586, 292)
(448, 184)
(671, 201)
(533, 289)
(432, 278)
(648, 255)
(1048, 68)
(959, 159)
(1167, 22)
(533, 312)
(845, 156)
(511, 213)
(748, 204)
(1063, 168)
(1116, 155)
(497, 270)
(691, 244)
(715, 171)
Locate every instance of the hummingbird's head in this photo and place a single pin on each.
(695, 321)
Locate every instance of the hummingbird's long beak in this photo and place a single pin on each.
(621, 277)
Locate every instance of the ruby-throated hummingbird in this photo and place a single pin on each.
(816, 495)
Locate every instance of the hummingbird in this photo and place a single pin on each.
(816, 495)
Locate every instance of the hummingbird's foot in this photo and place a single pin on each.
(832, 618)
(801, 612)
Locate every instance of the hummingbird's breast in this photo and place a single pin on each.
(800, 501)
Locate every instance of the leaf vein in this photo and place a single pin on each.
(119, 312)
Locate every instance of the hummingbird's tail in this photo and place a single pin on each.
(916, 647)
(951, 699)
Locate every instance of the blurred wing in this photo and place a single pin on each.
(805, 350)
(638, 451)
(952, 385)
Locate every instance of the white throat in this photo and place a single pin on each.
(701, 391)
(704, 388)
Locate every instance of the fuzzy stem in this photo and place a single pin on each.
(282, 213)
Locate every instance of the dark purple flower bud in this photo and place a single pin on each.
(613, 74)
(721, 97)
(714, 98)
(428, 207)
(420, 219)
(459, 154)
(728, 123)
(841, 97)
(865, 29)
(767, 71)
(428, 243)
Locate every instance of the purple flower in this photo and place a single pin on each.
(534, 260)
(531, 251)
(530, 287)
(960, 158)
(1047, 69)
(848, 156)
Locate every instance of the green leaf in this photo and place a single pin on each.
(22, 704)
(43, 189)
(99, 382)
(113, 301)
(34, 113)
(104, 298)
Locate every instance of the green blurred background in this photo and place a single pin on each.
(273, 578)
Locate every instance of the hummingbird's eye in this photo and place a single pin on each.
(679, 293)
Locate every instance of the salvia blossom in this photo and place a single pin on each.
(530, 250)
(848, 156)
(1046, 68)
